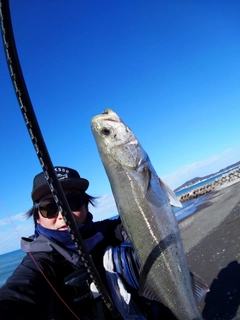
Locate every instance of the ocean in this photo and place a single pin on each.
(9, 261)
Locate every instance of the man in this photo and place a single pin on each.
(52, 282)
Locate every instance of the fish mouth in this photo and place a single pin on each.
(100, 122)
(109, 115)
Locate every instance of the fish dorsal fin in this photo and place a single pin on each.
(200, 287)
(170, 194)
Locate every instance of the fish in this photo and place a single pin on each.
(144, 203)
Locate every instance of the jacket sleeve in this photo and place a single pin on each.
(27, 293)
(112, 229)
(120, 232)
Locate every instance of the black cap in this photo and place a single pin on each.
(69, 179)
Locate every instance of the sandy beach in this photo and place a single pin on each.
(211, 238)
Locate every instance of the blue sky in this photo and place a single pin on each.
(170, 69)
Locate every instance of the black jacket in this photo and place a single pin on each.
(49, 268)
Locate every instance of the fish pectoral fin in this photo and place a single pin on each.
(144, 290)
(170, 194)
(200, 287)
(147, 177)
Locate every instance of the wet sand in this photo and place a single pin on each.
(211, 238)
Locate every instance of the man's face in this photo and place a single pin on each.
(57, 222)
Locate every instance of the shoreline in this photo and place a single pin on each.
(211, 239)
(232, 177)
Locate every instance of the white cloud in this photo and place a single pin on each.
(9, 219)
(11, 231)
(4, 221)
(10, 241)
(105, 208)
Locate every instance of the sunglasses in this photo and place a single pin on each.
(49, 209)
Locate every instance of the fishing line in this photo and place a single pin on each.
(42, 152)
(35, 262)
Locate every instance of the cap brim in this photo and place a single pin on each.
(80, 184)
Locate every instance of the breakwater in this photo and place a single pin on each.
(232, 176)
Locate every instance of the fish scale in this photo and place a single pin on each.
(144, 205)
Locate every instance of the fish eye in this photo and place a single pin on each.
(105, 131)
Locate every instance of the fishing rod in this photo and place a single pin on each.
(33, 128)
